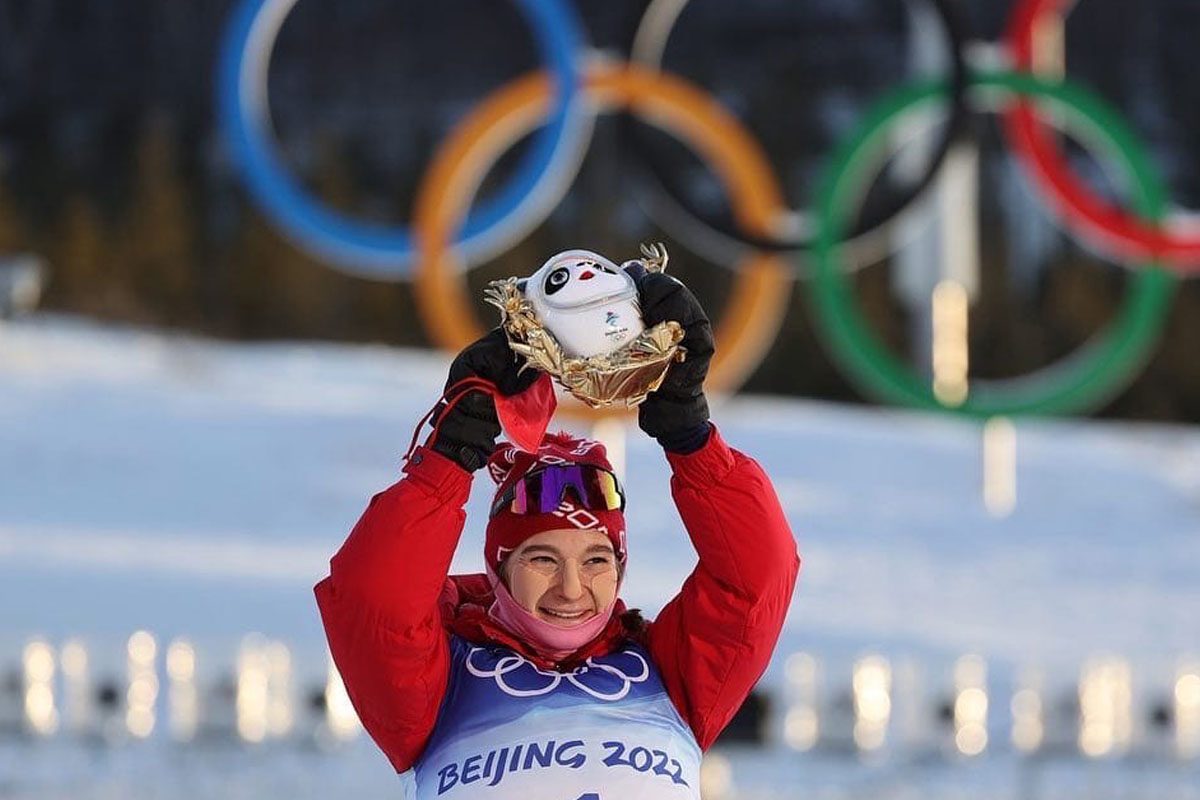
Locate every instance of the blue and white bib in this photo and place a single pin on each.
(506, 729)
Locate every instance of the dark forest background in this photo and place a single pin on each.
(113, 171)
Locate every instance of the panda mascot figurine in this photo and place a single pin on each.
(587, 302)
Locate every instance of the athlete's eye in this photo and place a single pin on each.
(543, 565)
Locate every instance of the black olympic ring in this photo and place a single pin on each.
(668, 194)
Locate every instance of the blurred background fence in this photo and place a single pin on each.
(872, 721)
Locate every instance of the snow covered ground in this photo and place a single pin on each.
(195, 488)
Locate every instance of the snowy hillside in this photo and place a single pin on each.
(197, 488)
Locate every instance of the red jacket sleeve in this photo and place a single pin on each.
(380, 604)
(713, 641)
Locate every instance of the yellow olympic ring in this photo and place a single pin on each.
(763, 287)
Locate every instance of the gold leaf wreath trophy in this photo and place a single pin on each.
(622, 377)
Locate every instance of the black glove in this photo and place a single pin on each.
(677, 413)
(466, 430)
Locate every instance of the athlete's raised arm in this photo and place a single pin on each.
(713, 641)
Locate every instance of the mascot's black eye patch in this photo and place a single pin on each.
(556, 280)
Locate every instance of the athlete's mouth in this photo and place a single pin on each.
(566, 616)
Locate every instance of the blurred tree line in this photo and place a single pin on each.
(134, 205)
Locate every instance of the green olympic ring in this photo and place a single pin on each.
(1081, 381)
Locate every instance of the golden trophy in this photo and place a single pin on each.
(577, 318)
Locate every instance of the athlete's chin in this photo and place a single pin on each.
(565, 619)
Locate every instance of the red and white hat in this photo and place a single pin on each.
(508, 464)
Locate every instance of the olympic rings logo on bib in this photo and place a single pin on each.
(516, 676)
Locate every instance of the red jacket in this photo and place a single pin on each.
(389, 607)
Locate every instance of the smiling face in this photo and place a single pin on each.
(579, 280)
(563, 577)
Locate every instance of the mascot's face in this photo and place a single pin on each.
(586, 301)
(573, 282)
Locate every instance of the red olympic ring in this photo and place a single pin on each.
(1129, 236)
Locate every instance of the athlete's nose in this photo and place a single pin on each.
(571, 586)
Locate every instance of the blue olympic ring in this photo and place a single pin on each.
(373, 250)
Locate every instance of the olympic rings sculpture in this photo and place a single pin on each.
(449, 236)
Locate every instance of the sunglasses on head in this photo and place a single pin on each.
(542, 490)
